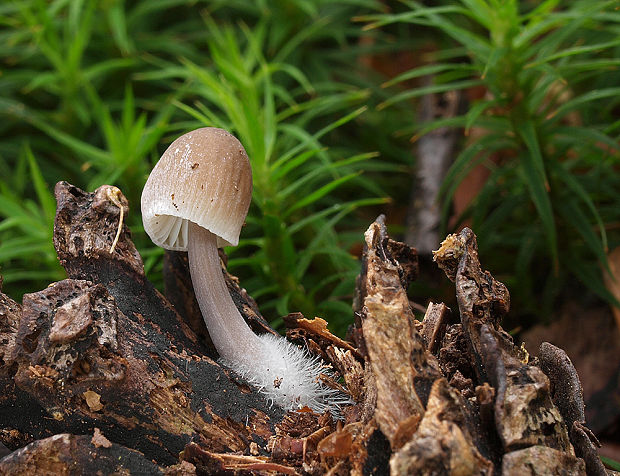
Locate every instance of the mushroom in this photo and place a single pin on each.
(196, 199)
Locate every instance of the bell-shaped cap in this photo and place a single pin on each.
(204, 177)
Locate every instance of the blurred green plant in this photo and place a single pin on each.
(92, 92)
(611, 463)
(96, 90)
(547, 130)
(26, 227)
(67, 95)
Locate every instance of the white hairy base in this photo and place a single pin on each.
(289, 377)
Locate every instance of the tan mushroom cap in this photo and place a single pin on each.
(204, 177)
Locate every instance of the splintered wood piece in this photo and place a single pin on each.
(402, 369)
(316, 329)
(481, 298)
(208, 462)
(443, 442)
(541, 461)
(391, 337)
(455, 361)
(524, 412)
(434, 325)
(351, 370)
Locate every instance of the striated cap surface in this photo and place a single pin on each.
(205, 177)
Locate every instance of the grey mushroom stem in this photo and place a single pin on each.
(232, 337)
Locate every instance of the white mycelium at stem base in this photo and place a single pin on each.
(284, 373)
(195, 200)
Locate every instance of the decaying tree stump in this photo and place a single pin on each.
(102, 374)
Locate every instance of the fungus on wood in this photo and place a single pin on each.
(102, 373)
(195, 200)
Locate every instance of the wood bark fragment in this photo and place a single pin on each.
(10, 313)
(392, 340)
(443, 443)
(434, 325)
(316, 329)
(524, 412)
(541, 460)
(481, 299)
(104, 354)
(351, 370)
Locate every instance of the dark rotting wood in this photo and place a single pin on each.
(101, 367)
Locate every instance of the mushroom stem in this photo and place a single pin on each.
(285, 374)
(226, 326)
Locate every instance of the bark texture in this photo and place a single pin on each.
(103, 374)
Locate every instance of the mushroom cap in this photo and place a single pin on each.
(205, 177)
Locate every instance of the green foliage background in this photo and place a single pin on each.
(92, 92)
